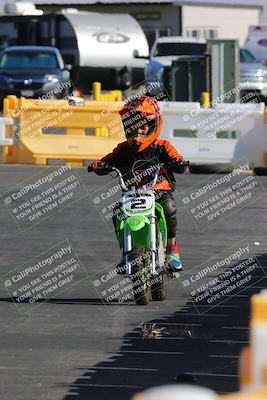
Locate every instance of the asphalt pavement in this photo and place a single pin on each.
(74, 346)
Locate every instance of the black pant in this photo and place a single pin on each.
(166, 200)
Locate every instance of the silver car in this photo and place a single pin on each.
(253, 72)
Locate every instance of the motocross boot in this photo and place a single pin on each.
(173, 257)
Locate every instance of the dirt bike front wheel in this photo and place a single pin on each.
(141, 287)
(158, 282)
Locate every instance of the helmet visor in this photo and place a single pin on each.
(136, 123)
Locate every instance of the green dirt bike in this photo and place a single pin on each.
(142, 234)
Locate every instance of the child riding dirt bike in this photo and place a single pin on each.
(142, 122)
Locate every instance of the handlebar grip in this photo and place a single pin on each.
(101, 170)
(108, 168)
(171, 164)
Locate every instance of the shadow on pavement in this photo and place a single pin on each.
(197, 345)
(182, 347)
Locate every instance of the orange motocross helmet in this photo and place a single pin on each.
(142, 122)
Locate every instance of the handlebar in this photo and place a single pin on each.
(109, 168)
(166, 164)
(172, 164)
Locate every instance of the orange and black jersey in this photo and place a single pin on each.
(131, 163)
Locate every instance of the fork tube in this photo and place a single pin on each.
(153, 242)
(127, 249)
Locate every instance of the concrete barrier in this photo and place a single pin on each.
(218, 135)
(5, 124)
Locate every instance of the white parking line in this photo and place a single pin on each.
(178, 324)
(152, 352)
(258, 287)
(126, 369)
(212, 374)
(155, 338)
(219, 306)
(222, 356)
(229, 341)
(236, 327)
(105, 386)
(210, 315)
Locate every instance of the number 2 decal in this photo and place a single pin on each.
(138, 203)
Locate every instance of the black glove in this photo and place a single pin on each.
(99, 167)
(180, 167)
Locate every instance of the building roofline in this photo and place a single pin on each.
(214, 3)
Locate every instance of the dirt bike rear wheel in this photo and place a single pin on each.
(158, 289)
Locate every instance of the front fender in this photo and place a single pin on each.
(139, 227)
(136, 223)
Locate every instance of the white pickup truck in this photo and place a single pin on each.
(164, 51)
(167, 49)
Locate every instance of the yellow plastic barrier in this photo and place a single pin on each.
(205, 99)
(113, 95)
(34, 146)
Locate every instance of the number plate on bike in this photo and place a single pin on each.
(137, 204)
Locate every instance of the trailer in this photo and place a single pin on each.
(96, 46)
